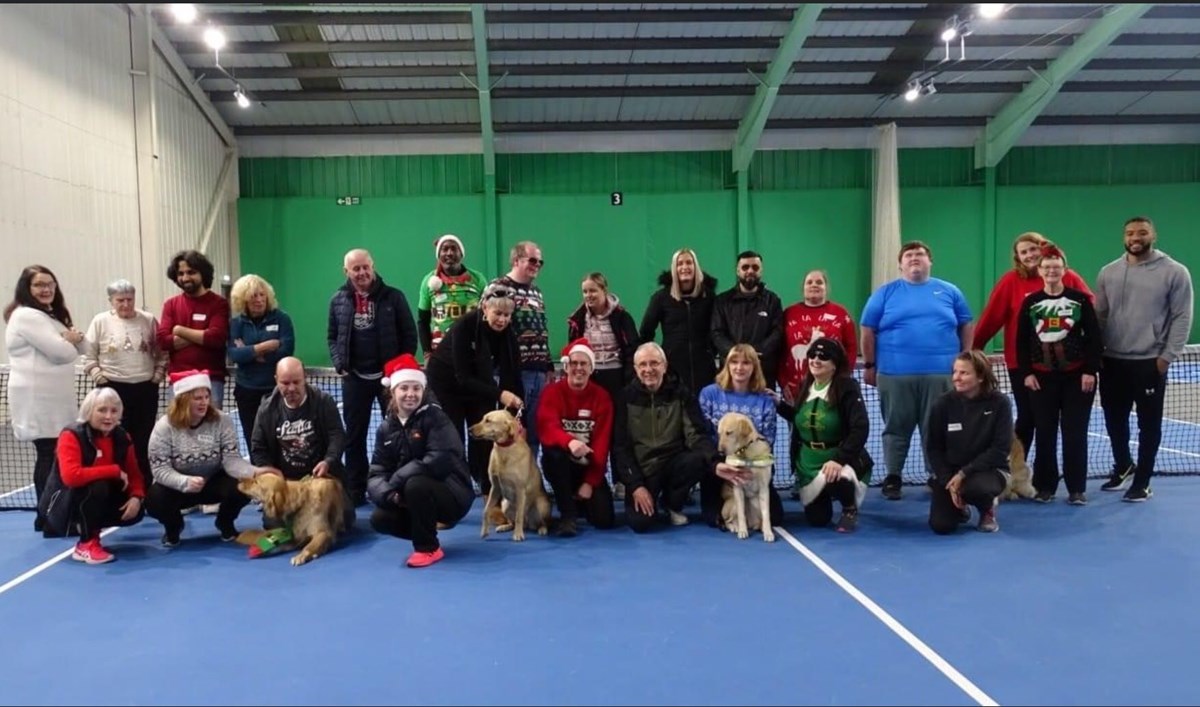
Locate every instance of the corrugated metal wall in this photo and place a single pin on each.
(68, 182)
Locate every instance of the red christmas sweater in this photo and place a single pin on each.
(1004, 305)
(802, 323)
(75, 474)
(565, 414)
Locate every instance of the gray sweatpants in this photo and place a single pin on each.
(905, 402)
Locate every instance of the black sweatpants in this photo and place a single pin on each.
(164, 504)
(1025, 425)
(99, 507)
(819, 511)
(425, 502)
(247, 401)
(979, 489)
(1061, 398)
(565, 476)
(1123, 384)
(668, 486)
(358, 402)
(139, 403)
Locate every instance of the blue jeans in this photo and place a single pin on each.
(533, 382)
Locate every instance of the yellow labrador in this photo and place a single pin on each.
(748, 506)
(516, 481)
(1020, 477)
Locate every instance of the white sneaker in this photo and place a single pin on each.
(210, 509)
(677, 518)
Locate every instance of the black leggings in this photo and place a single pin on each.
(819, 511)
(165, 504)
(425, 503)
(99, 507)
(979, 489)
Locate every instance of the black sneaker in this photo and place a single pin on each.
(849, 520)
(1044, 496)
(964, 514)
(170, 539)
(567, 528)
(1118, 478)
(1077, 499)
(987, 521)
(228, 532)
(1138, 494)
(891, 488)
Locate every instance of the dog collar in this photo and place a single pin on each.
(509, 443)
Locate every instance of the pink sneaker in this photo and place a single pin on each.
(91, 552)
(425, 559)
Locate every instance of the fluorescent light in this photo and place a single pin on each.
(184, 12)
(241, 99)
(949, 34)
(913, 92)
(214, 38)
(991, 10)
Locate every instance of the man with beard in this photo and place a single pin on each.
(749, 313)
(369, 324)
(194, 325)
(451, 290)
(1144, 304)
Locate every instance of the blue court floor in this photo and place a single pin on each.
(1064, 605)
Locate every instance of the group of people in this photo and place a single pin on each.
(647, 411)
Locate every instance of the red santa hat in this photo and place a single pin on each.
(579, 345)
(403, 369)
(187, 381)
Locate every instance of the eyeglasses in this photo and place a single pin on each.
(535, 261)
(42, 285)
(752, 268)
(820, 355)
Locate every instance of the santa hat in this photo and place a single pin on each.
(579, 345)
(435, 282)
(187, 381)
(403, 369)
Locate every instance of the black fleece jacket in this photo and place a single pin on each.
(969, 434)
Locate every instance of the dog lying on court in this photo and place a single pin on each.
(748, 506)
(314, 507)
(1020, 477)
(517, 489)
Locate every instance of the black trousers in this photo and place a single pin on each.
(247, 401)
(358, 401)
(165, 504)
(425, 502)
(99, 507)
(1025, 425)
(565, 476)
(464, 411)
(819, 511)
(139, 402)
(979, 489)
(1123, 384)
(42, 464)
(1061, 400)
(711, 501)
(668, 486)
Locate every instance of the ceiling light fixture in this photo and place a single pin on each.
(214, 38)
(185, 13)
(240, 96)
(991, 10)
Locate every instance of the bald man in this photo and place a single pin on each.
(370, 323)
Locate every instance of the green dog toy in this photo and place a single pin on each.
(270, 541)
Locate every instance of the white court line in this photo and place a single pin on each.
(6, 494)
(46, 565)
(1160, 447)
(907, 636)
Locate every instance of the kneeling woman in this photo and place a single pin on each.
(418, 477)
(829, 437)
(96, 482)
(194, 460)
(970, 434)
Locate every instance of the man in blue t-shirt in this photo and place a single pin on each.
(912, 328)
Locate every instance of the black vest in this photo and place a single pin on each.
(59, 504)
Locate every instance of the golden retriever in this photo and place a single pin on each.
(1020, 477)
(747, 506)
(314, 506)
(516, 481)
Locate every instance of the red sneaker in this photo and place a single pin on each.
(91, 552)
(425, 559)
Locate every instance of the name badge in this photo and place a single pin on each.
(585, 413)
(198, 317)
(206, 439)
(272, 327)
(954, 427)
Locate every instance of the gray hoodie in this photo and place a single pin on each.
(1145, 310)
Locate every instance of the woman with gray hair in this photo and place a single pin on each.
(120, 351)
(95, 482)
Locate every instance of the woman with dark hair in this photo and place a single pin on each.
(477, 365)
(43, 345)
(829, 437)
(610, 332)
(683, 308)
(811, 318)
(970, 434)
(1002, 310)
(418, 479)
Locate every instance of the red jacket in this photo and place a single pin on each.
(209, 312)
(565, 414)
(76, 475)
(1004, 305)
(799, 322)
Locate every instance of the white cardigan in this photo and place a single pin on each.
(41, 381)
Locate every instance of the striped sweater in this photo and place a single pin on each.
(204, 450)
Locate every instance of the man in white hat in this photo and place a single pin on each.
(449, 291)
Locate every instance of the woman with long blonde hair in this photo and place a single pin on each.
(683, 308)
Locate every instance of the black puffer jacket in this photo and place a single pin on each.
(427, 445)
(686, 331)
(393, 319)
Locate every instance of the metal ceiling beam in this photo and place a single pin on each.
(767, 91)
(483, 83)
(685, 125)
(671, 43)
(1003, 131)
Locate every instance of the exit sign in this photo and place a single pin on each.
(348, 201)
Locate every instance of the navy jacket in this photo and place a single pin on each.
(427, 445)
(396, 329)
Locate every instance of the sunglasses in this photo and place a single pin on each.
(535, 261)
(499, 293)
(820, 355)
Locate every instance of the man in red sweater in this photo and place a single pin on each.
(194, 326)
(574, 424)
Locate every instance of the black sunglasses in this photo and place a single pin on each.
(536, 261)
(820, 355)
(498, 293)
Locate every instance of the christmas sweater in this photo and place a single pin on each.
(1058, 333)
